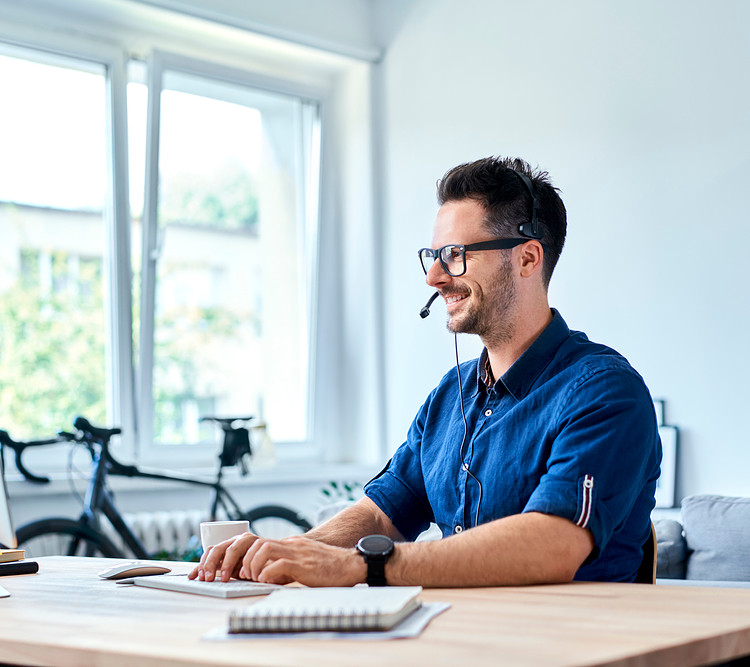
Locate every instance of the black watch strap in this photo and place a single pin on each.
(376, 572)
(376, 550)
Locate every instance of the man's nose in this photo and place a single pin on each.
(436, 276)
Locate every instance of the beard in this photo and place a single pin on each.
(489, 315)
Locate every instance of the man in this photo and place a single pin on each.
(538, 461)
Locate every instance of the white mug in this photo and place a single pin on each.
(213, 532)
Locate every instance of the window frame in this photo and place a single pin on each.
(160, 62)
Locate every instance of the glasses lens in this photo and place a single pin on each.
(452, 258)
(427, 257)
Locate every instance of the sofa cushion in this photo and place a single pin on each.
(717, 530)
(671, 549)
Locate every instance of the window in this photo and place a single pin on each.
(229, 233)
(53, 168)
(217, 288)
(221, 246)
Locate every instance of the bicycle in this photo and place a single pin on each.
(84, 536)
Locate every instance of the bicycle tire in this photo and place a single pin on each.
(64, 537)
(276, 521)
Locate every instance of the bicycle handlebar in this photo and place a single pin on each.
(18, 449)
(96, 433)
(88, 434)
(101, 436)
(236, 446)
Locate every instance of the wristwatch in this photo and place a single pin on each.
(376, 550)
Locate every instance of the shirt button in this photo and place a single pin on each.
(487, 412)
(458, 529)
(465, 466)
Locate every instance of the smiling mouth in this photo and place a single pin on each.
(454, 298)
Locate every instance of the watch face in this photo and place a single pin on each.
(376, 544)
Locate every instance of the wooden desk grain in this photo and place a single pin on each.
(65, 615)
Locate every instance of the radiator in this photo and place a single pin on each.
(162, 531)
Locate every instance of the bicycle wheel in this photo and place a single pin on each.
(276, 522)
(64, 537)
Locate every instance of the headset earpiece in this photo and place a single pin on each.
(532, 228)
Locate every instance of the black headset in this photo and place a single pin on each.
(532, 229)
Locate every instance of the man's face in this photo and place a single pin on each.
(481, 300)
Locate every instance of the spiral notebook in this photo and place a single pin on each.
(339, 609)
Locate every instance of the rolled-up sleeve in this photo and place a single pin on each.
(605, 456)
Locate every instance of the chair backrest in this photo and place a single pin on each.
(647, 571)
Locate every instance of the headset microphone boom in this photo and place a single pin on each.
(426, 310)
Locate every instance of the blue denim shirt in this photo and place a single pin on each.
(569, 430)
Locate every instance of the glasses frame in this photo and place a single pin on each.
(437, 253)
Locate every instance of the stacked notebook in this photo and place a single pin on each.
(10, 555)
(320, 609)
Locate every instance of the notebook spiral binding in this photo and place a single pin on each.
(342, 621)
(332, 609)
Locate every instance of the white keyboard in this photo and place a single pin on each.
(235, 588)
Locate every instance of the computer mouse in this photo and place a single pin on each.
(133, 568)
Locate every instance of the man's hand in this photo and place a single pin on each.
(224, 558)
(323, 557)
(302, 560)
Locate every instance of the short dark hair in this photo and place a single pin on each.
(491, 182)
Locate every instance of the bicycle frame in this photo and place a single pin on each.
(99, 501)
(98, 498)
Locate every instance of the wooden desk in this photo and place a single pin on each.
(66, 615)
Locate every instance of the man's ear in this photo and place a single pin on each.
(530, 258)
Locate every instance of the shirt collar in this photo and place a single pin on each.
(520, 377)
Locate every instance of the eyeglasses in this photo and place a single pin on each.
(453, 257)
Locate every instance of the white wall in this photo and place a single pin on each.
(639, 110)
(342, 26)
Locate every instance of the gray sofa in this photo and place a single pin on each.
(709, 546)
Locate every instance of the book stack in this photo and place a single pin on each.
(10, 555)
